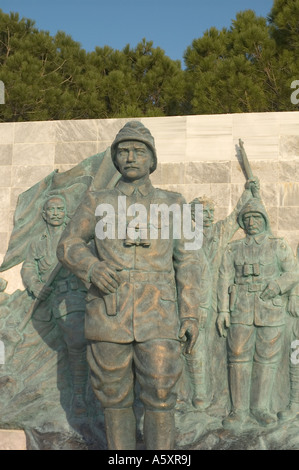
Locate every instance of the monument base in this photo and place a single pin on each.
(12, 440)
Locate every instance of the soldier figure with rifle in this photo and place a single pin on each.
(254, 274)
(59, 296)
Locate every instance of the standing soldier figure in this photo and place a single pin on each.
(216, 236)
(61, 301)
(143, 298)
(254, 273)
(292, 410)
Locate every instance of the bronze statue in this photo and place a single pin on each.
(60, 296)
(216, 236)
(254, 273)
(143, 298)
(292, 410)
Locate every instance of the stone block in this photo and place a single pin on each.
(206, 172)
(4, 199)
(289, 194)
(288, 123)
(288, 171)
(266, 170)
(269, 193)
(209, 148)
(7, 132)
(5, 176)
(166, 128)
(5, 153)
(4, 219)
(74, 152)
(289, 146)
(219, 193)
(249, 125)
(14, 194)
(172, 150)
(172, 173)
(33, 154)
(209, 124)
(12, 440)
(288, 218)
(76, 131)
(27, 176)
(260, 147)
(3, 242)
(34, 132)
(156, 177)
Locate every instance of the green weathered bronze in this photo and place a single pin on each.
(254, 275)
(144, 299)
(147, 300)
(58, 296)
(216, 236)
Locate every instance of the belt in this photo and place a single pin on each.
(253, 287)
(149, 277)
(65, 286)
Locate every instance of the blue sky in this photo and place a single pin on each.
(170, 24)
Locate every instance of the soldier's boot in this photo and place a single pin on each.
(159, 430)
(292, 410)
(120, 426)
(79, 375)
(240, 382)
(197, 373)
(263, 380)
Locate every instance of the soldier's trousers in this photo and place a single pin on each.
(157, 365)
(262, 344)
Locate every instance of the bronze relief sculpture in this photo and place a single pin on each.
(118, 312)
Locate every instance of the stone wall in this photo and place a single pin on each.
(197, 155)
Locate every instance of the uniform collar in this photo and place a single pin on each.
(257, 238)
(129, 188)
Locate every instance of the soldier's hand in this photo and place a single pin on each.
(41, 292)
(3, 284)
(293, 306)
(271, 291)
(254, 185)
(105, 277)
(189, 330)
(223, 323)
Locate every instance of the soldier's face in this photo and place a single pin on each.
(208, 215)
(254, 223)
(54, 212)
(134, 160)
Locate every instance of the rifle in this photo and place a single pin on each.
(247, 167)
(37, 302)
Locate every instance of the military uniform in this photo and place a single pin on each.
(65, 306)
(257, 326)
(139, 323)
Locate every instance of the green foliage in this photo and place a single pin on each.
(246, 68)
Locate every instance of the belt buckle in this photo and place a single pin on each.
(62, 287)
(254, 288)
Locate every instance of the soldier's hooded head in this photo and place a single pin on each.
(134, 131)
(254, 206)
